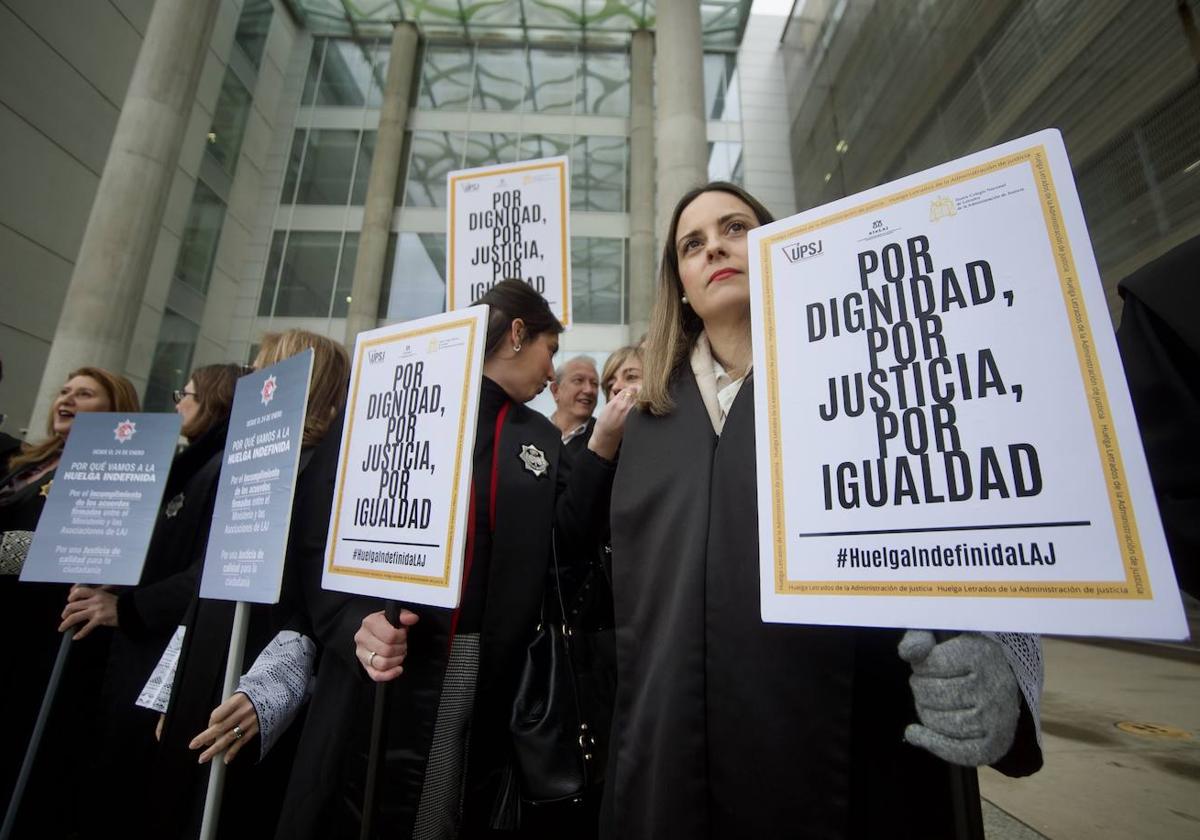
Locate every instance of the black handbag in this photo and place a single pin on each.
(552, 741)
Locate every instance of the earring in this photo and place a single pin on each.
(516, 348)
(683, 300)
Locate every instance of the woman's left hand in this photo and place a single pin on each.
(230, 725)
(610, 425)
(97, 607)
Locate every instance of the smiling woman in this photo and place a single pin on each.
(32, 610)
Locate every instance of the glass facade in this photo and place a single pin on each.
(465, 87)
(883, 90)
(251, 34)
(172, 363)
(198, 248)
(229, 123)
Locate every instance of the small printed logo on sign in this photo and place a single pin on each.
(471, 186)
(125, 430)
(797, 251)
(268, 390)
(374, 357)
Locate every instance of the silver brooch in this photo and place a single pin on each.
(534, 460)
(174, 506)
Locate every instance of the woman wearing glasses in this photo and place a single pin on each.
(146, 615)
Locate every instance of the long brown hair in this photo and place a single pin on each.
(330, 375)
(674, 326)
(215, 385)
(122, 396)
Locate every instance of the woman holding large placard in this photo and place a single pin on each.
(253, 791)
(448, 763)
(31, 610)
(146, 615)
(725, 725)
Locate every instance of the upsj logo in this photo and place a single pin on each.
(375, 356)
(125, 430)
(942, 207)
(797, 251)
(471, 186)
(268, 390)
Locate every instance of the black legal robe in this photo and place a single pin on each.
(325, 793)
(725, 726)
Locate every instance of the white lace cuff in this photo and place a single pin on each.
(14, 548)
(157, 693)
(277, 684)
(1024, 654)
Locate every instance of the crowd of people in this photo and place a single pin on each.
(705, 721)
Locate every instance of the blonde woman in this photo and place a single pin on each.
(253, 791)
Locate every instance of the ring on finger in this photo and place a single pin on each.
(237, 732)
(371, 659)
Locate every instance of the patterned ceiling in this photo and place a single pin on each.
(598, 22)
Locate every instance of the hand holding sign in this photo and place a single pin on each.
(380, 647)
(966, 697)
(97, 607)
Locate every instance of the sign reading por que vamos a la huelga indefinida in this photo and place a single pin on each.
(103, 501)
(944, 434)
(247, 544)
(510, 221)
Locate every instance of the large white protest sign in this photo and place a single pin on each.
(510, 222)
(944, 434)
(398, 525)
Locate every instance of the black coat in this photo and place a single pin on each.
(253, 790)
(1159, 339)
(29, 617)
(147, 616)
(325, 794)
(726, 726)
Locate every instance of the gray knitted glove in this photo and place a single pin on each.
(966, 697)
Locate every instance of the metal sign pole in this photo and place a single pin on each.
(233, 671)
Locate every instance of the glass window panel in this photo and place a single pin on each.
(293, 167)
(446, 79)
(305, 269)
(598, 174)
(597, 270)
(434, 153)
(252, 28)
(172, 362)
(486, 148)
(345, 276)
(346, 75)
(201, 234)
(312, 77)
(362, 170)
(328, 166)
(534, 146)
(721, 100)
(553, 81)
(229, 123)
(724, 161)
(604, 84)
(416, 286)
(499, 79)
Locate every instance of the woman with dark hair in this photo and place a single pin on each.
(725, 725)
(31, 610)
(448, 766)
(145, 616)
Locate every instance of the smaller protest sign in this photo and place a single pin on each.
(944, 434)
(248, 540)
(104, 500)
(398, 525)
(510, 222)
